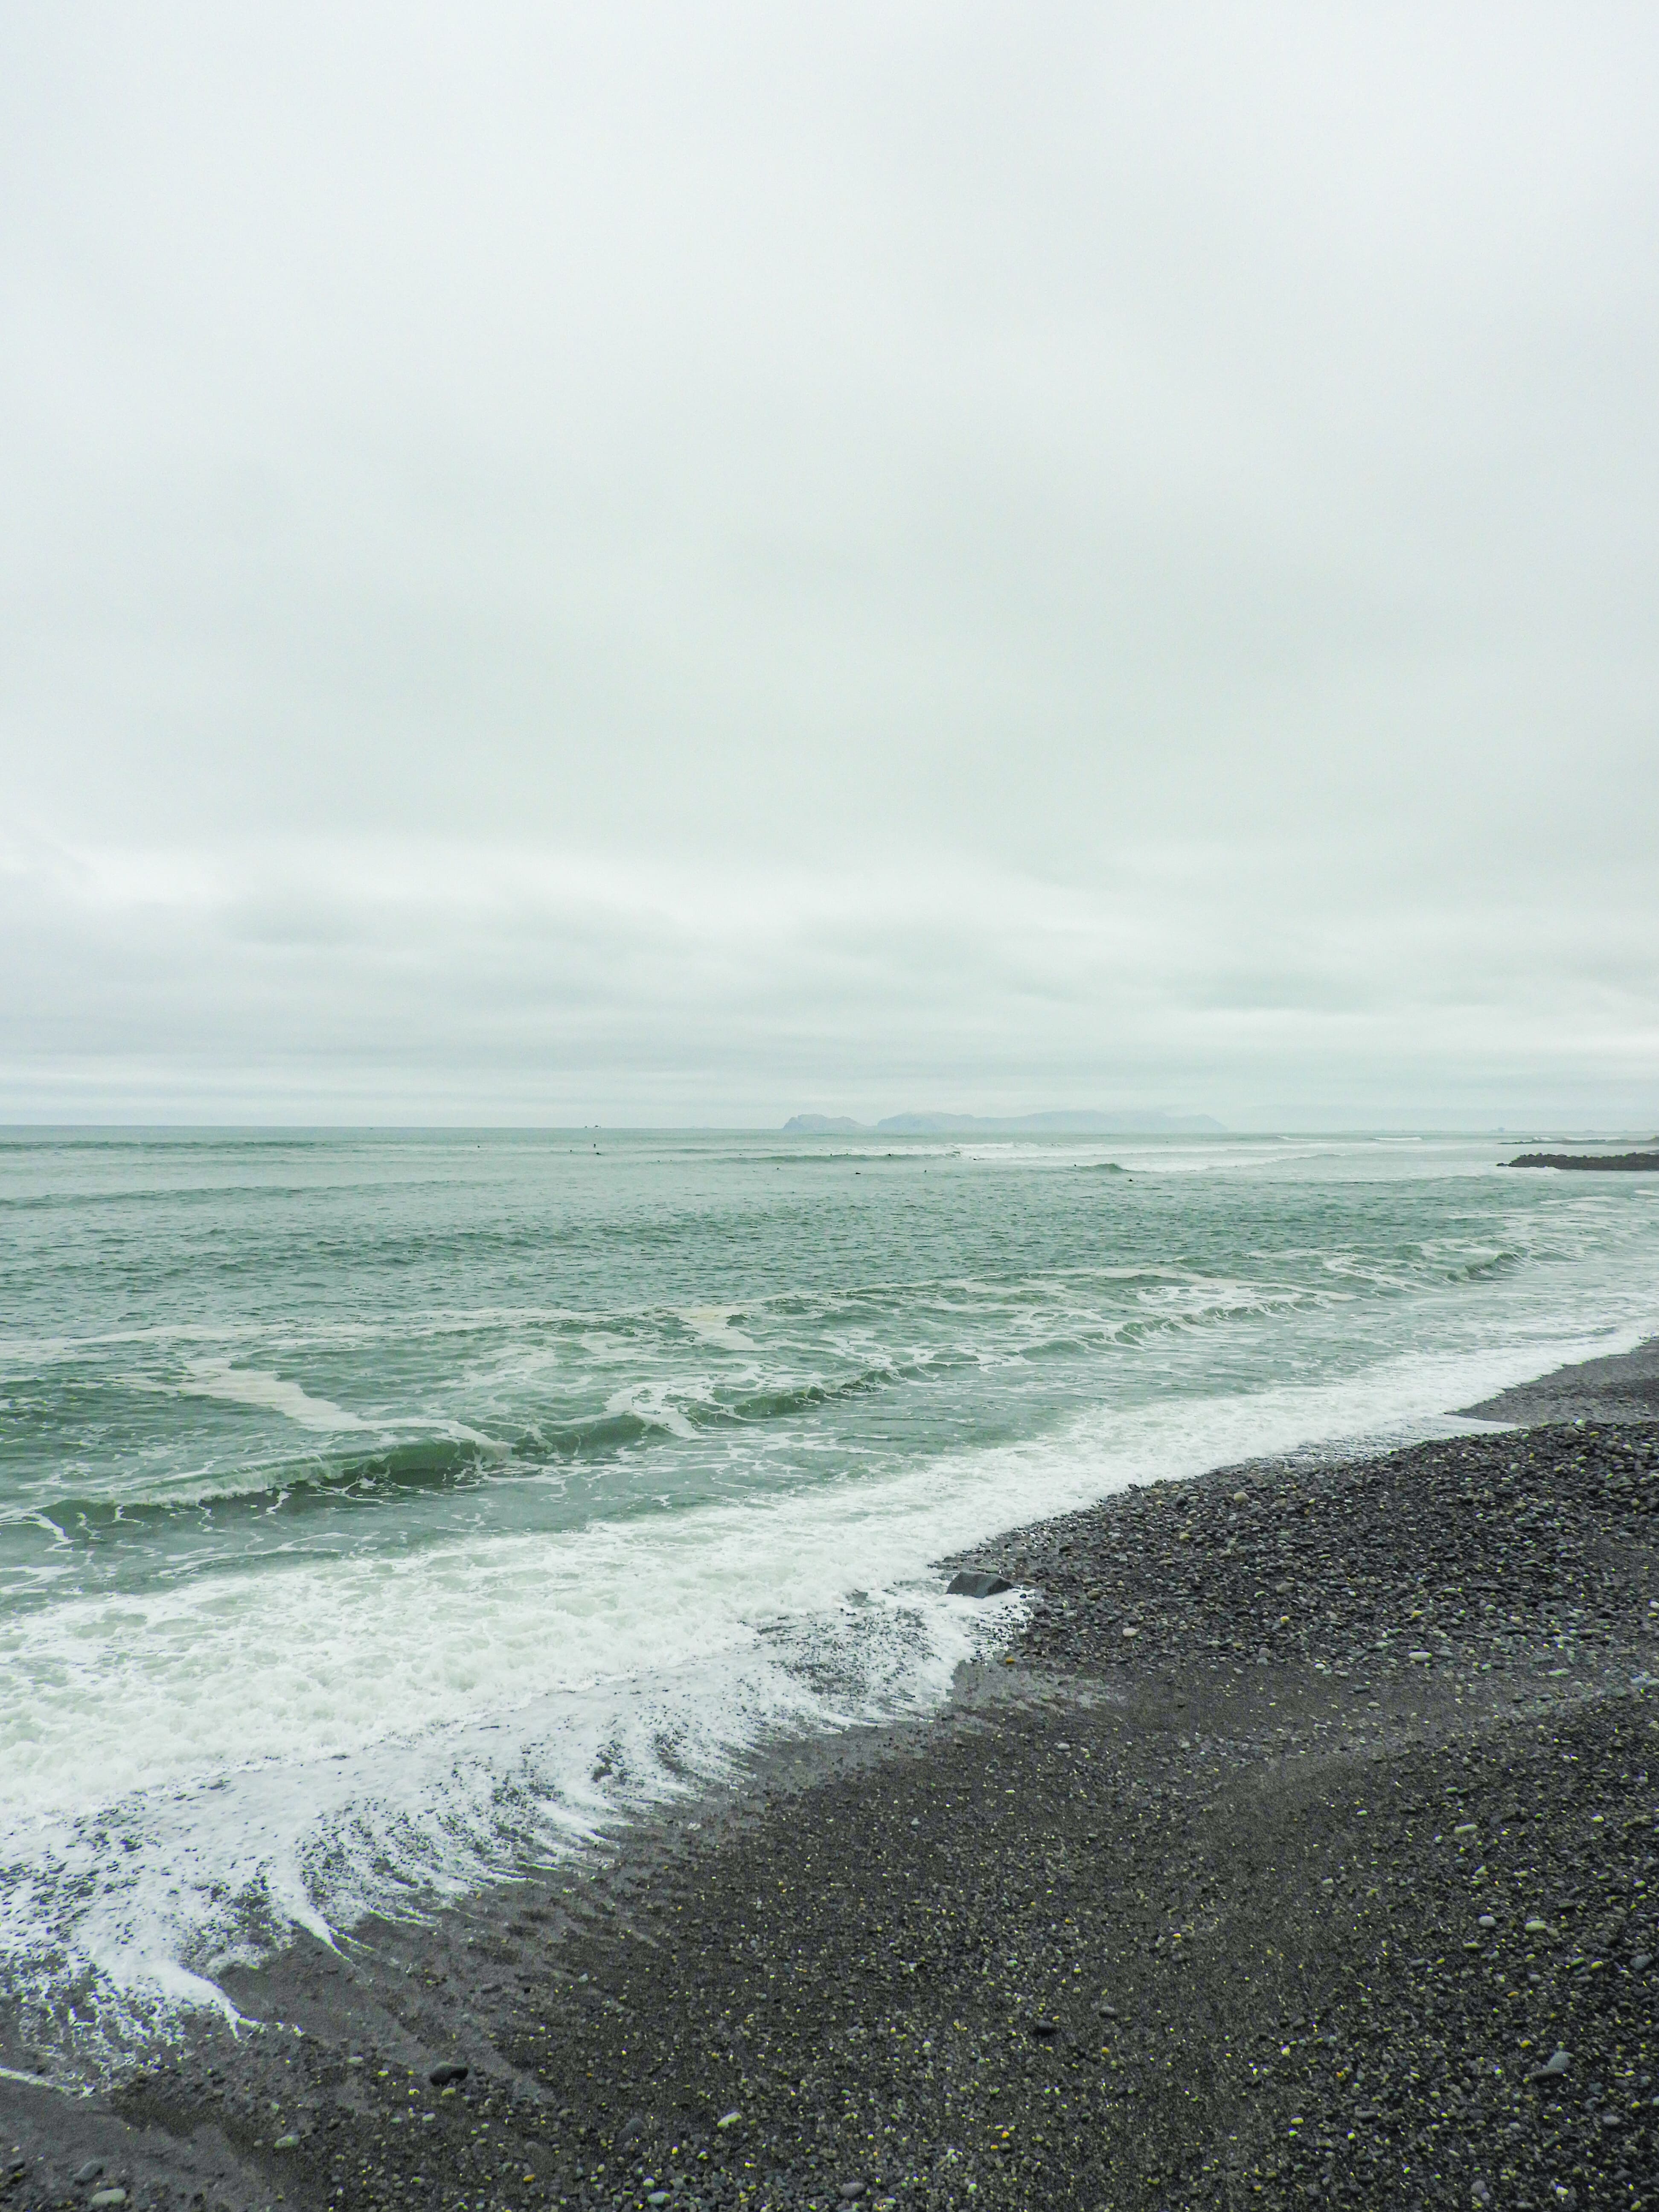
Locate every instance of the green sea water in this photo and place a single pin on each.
(376, 1507)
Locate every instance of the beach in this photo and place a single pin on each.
(1301, 1847)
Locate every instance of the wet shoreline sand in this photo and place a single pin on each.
(1216, 1892)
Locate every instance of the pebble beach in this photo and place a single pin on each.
(1301, 1847)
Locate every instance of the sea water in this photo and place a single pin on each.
(381, 1511)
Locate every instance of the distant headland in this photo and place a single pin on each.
(1069, 1122)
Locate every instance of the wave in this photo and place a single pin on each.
(377, 1456)
(431, 1464)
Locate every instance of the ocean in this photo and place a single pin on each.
(381, 1511)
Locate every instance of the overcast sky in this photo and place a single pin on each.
(674, 563)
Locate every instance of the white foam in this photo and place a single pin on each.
(715, 1325)
(272, 1394)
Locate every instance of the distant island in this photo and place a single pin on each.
(1069, 1122)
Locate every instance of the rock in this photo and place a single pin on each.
(101, 2197)
(657, 2196)
(1537, 1928)
(729, 2120)
(286, 2142)
(851, 2190)
(972, 1582)
(1044, 2029)
(1556, 2062)
(1598, 1162)
(89, 2172)
(1487, 1920)
(442, 2075)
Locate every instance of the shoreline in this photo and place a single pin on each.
(1166, 1907)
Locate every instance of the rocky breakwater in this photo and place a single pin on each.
(1604, 1163)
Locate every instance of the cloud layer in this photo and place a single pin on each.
(663, 563)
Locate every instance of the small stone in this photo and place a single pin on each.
(440, 2075)
(729, 2120)
(286, 2142)
(101, 2197)
(89, 2172)
(972, 1583)
(1487, 1920)
(1556, 2062)
(850, 2189)
(657, 2196)
(1537, 1927)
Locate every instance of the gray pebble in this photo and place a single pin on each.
(89, 2172)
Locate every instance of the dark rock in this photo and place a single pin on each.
(1556, 2062)
(89, 2172)
(972, 1583)
(441, 2076)
(1631, 1163)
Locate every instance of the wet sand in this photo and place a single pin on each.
(1314, 1810)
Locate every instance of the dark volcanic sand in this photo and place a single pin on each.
(1217, 1894)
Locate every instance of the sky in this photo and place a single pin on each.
(675, 563)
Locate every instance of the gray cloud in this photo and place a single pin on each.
(697, 562)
